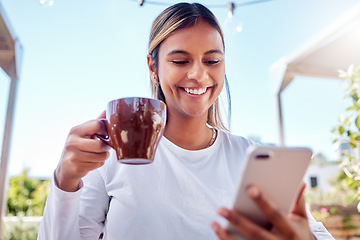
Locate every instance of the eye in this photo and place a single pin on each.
(179, 62)
(212, 62)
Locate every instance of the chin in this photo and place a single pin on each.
(195, 113)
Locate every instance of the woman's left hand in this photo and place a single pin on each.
(293, 226)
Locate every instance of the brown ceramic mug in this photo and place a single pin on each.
(135, 126)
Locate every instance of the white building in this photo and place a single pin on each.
(320, 173)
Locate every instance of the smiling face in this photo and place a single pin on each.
(191, 70)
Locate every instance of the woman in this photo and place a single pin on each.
(196, 165)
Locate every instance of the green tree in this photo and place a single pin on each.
(20, 230)
(27, 195)
(347, 131)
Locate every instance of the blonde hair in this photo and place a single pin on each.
(176, 17)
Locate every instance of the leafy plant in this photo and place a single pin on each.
(16, 230)
(27, 195)
(347, 131)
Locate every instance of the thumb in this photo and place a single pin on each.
(299, 208)
(101, 132)
(102, 115)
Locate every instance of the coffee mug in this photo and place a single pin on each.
(134, 127)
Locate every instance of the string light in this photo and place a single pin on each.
(141, 2)
(233, 23)
(231, 5)
(47, 3)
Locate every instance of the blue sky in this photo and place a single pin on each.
(78, 55)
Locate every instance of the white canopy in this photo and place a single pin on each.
(10, 47)
(335, 47)
(10, 59)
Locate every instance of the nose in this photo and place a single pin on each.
(197, 71)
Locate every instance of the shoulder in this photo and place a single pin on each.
(230, 140)
(233, 150)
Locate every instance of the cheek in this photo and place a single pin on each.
(220, 88)
(169, 76)
(167, 82)
(220, 76)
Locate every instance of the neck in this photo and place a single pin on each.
(190, 134)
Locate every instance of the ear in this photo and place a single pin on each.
(152, 68)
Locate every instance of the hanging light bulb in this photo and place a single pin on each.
(141, 2)
(47, 3)
(232, 23)
(231, 6)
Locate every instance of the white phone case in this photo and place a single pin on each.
(278, 172)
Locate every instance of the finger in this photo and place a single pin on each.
(221, 232)
(300, 208)
(80, 169)
(245, 226)
(85, 157)
(76, 164)
(103, 131)
(102, 115)
(75, 142)
(272, 213)
(89, 128)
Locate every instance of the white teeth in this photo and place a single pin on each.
(198, 91)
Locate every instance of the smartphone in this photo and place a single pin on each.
(278, 172)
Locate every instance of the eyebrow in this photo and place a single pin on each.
(186, 53)
(178, 51)
(214, 51)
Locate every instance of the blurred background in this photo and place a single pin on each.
(78, 55)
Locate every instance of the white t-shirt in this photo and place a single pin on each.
(175, 197)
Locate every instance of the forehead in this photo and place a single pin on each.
(201, 37)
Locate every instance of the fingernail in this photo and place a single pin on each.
(224, 212)
(253, 192)
(214, 226)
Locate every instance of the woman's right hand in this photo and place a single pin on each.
(82, 153)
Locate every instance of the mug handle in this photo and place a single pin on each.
(105, 138)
